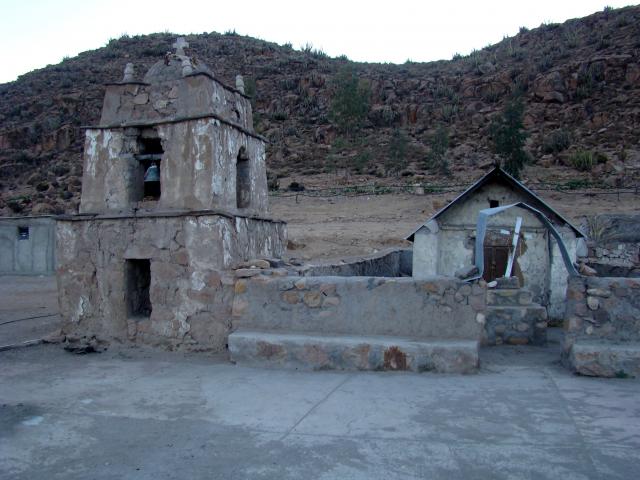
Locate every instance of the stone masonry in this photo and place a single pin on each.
(360, 323)
(602, 326)
(174, 195)
(512, 317)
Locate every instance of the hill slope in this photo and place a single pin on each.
(580, 82)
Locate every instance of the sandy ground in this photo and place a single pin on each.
(28, 308)
(335, 227)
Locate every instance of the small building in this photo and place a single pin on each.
(174, 195)
(445, 243)
(27, 245)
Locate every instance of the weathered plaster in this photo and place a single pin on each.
(447, 244)
(188, 263)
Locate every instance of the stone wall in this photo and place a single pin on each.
(602, 325)
(436, 308)
(603, 309)
(190, 291)
(30, 254)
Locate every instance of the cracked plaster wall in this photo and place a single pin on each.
(198, 168)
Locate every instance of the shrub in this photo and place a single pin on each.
(582, 160)
(556, 141)
(588, 79)
(349, 102)
(396, 156)
(437, 157)
(279, 116)
(507, 135)
(361, 161)
(449, 111)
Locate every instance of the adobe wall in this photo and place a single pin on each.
(32, 256)
(602, 326)
(197, 170)
(437, 308)
(190, 291)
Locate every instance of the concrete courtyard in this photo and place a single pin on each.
(145, 414)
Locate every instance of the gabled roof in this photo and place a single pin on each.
(499, 175)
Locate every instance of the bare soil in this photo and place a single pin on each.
(331, 228)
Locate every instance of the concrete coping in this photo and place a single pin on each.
(26, 217)
(80, 217)
(160, 121)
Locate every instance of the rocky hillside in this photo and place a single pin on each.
(580, 83)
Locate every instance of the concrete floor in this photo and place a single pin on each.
(142, 414)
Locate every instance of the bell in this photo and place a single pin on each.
(152, 174)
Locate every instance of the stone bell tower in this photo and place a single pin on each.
(174, 194)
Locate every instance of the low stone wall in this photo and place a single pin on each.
(602, 326)
(393, 263)
(436, 308)
(190, 289)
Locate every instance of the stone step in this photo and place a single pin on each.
(516, 325)
(343, 352)
(509, 297)
(605, 359)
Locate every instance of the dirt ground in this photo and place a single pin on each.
(28, 308)
(327, 228)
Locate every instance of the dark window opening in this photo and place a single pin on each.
(150, 145)
(243, 180)
(494, 203)
(137, 284)
(23, 233)
(149, 155)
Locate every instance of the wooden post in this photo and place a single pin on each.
(514, 244)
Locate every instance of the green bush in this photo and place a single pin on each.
(582, 160)
(397, 154)
(349, 102)
(507, 135)
(437, 157)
